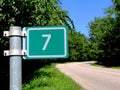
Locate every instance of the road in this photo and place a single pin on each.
(91, 77)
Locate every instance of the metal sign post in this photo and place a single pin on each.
(15, 53)
(15, 61)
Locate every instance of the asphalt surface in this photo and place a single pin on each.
(91, 77)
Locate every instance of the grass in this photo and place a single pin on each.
(50, 78)
(112, 67)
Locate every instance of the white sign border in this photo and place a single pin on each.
(44, 56)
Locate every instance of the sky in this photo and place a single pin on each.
(84, 11)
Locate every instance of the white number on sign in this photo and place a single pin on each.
(48, 36)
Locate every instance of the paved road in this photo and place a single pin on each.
(90, 77)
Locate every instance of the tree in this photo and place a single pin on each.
(105, 33)
(78, 47)
(31, 13)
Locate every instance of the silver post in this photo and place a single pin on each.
(15, 60)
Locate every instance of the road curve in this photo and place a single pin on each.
(91, 77)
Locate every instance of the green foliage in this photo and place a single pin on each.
(32, 13)
(105, 35)
(41, 13)
(49, 78)
(78, 46)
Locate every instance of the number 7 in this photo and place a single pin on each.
(47, 40)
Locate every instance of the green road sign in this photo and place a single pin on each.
(46, 42)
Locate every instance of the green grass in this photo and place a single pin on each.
(50, 78)
(112, 67)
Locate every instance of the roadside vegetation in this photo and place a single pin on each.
(102, 45)
(50, 78)
(103, 66)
